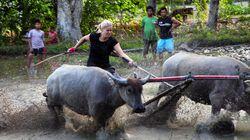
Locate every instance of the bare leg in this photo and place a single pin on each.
(44, 53)
(146, 48)
(161, 58)
(30, 59)
(154, 45)
(40, 57)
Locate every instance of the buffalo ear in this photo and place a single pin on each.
(135, 75)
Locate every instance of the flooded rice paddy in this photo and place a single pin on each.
(24, 115)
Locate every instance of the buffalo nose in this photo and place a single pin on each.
(139, 109)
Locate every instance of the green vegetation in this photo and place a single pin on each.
(228, 9)
(63, 46)
(13, 67)
(204, 37)
(199, 35)
(120, 12)
(202, 9)
(17, 17)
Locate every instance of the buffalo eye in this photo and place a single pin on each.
(129, 90)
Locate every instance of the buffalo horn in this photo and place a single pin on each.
(145, 80)
(118, 80)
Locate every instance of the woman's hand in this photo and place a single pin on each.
(71, 50)
(132, 64)
(31, 50)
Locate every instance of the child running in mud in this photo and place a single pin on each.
(36, 42)
(166, 25)
(149, 33)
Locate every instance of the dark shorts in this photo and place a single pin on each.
(148, 44)
(111, 70)
(38, 51)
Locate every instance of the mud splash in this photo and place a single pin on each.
(27, 117)
(24, 115)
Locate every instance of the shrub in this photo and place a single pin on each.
(205, 37)
(228, 9)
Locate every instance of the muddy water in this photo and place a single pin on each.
(23, 110)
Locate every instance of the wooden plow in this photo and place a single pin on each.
(186, 81)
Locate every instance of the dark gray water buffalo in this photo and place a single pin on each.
(232, 95)
(93, 91)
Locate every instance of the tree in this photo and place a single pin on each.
(201, 7)
(17, 17)
(118, 11)
(69, 16)
(153, 4)
(213, 14)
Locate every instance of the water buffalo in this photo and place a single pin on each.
(232, 95)
(93, 91)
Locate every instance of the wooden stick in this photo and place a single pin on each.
(50, 58)
(140, 68)
(164, 93)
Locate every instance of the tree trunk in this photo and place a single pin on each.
(213, 14)
(69, 14)
(153, 4)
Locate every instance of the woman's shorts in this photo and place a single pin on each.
(165, 45)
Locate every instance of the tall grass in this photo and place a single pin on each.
(202, 36)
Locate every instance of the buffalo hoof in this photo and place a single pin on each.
(3, 125)
(221, 127)
(202, 128)
(139, 110)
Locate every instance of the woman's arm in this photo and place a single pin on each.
(82, 41)
(120, 52)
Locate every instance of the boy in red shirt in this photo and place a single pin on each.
(52, 36)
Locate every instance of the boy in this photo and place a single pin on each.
(166, 25)
(36, 42)
(52, 36)
(149, 32)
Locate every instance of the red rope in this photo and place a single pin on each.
(195, 77)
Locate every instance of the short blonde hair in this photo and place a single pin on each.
(104, 24)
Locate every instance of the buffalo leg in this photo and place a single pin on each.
(215, 110)
(57, 117)
(216, 102)
(54, 116)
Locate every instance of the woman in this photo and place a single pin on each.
(102, 44)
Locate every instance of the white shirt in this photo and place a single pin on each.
(37, 38)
